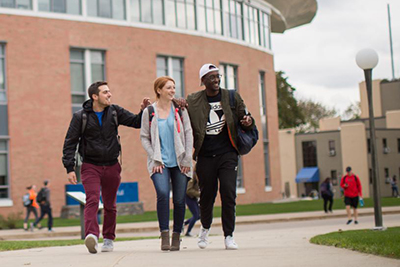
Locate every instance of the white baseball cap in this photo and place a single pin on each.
(205, 69)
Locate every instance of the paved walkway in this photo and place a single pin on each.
(151, 228)
(261, 243)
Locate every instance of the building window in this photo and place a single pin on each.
(334, 177)
(209, 19)
(61, 6)
(233, 26)
(181, 14)
(113, 9)
(264, 123)
(20, 4)
(4, 177)
(3, 93)
(251, 25)
(369, 145)
(386, 149)
(332, 148)
(265, 31)
(148, 11)
(386, 171)
(398, 144)
(86, 66)
(309, 154)
(172, 67)
(228, 76)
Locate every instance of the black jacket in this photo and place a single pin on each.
(101, 146)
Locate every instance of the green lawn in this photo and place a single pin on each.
(16, 245)
(241, 210)
(382, 243)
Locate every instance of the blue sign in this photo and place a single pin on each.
(127, 192)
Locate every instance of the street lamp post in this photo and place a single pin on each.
(367, 59)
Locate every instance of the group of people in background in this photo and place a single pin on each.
(173, 133)
(32, 203)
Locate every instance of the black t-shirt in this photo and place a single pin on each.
(216, 140)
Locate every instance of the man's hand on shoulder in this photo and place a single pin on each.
(146, 102)
(181, 102)
(72, 178)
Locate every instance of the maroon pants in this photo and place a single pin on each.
(105, 179)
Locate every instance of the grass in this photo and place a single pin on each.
(241, 210)
(17, 245)
(381, 243)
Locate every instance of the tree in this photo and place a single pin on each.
(353, 111)
(290, 115)
(313, 112)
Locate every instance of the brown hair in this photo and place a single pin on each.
(94, 88)
(160, 82)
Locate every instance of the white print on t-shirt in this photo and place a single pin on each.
(216, 119)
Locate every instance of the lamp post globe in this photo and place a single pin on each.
(367, 59)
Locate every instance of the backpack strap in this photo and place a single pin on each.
(82, 142)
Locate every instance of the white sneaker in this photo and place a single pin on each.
(203, 238)
(230, 243)
(91, 242)
(108, 245)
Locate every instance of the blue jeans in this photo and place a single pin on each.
(193, 206)
(161, 184)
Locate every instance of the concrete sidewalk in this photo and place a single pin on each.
(284, 244)
(151, 228)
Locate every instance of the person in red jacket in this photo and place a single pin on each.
(352, 191)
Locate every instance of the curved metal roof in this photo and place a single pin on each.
(288, 14)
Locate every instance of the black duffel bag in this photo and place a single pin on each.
(245, 140)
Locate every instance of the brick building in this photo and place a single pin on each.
(52, 50)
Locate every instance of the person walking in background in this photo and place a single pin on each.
(43, 198)
(32, 207)
(395, 189)
(216, 153)
(326, 191)
(352, 192)
(192, 201)
(99, 148)
(166, 135)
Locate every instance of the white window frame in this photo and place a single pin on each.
(170, 71)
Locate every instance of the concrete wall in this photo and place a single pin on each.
(354, 152)
(39, 97)
(393, 119)
(288, 161)
(329, 124)
(390, 96)
(376, 98)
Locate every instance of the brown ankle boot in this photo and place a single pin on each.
(176, 241)
(165, 241)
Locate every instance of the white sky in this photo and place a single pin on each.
(319, 58)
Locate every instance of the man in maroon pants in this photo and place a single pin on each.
(95, 128)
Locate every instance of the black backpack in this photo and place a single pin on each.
(41, 196)
(245, 140)
(84, 118)
(150, 109)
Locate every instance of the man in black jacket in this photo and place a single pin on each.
(99, 147)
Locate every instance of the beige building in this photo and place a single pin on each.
(339, 144)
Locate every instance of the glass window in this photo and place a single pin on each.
(265, 31)
(181, 14)
(173, 67)
(211, 11)
(251, 18)
(3, 94)
(149, 11)
(228, 76)
(334, 177)
(398, 145)
(86, 67)
(232, 19)
(60, 6)
(264, 123)
(20, 4)
(4, 176)
(309, 154)
(114, 9)
(369, 145)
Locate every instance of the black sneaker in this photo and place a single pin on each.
(356, 222)
(349, 221)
